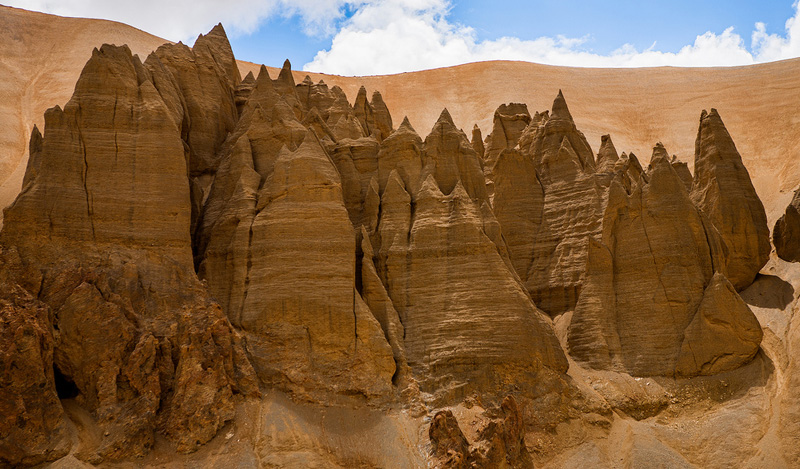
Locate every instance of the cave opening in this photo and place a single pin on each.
(65, 387)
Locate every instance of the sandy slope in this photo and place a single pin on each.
(41, 57)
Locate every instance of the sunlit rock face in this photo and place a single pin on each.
(188, 244)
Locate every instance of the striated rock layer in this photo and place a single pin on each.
(626, 251)
(102, 233)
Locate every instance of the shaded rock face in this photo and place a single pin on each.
(32, 427)
(786, 234)
(723, 191)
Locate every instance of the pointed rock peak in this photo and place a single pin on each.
(338, 93)
(311, 146)
(623, 156)
(445, 118)
(395, 189)
(35, 134)
(313, 116)
(459, 191)
(607, 153)
(660, 159)
(429, 188)
(218, 30)
(308, 81)
(703, 115)
(560, 109)
(285, 76)
(376, 97)
(405, 128)
(475, 127)
(566, 150)
(361, 98)
(249, 79)
(321, 82)
(263, 74)
(660, 153)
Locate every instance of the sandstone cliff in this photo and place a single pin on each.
(191, 249)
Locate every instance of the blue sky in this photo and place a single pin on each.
(609, 25)
(386, 36)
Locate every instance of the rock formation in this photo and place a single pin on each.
(103, 231)
(500, 440)
(623, 248)
(277, 221)
(786, 234)
(552, 247)
(186, 239)
(468, 321)
(653, 280)
(723, 191)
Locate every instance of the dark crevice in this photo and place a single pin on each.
(65, 387)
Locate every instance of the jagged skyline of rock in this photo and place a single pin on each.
(187, 242)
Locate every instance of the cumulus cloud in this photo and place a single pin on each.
(386, 37)
(389, 36)
(183, 20)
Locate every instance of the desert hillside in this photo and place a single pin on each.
(44, 54)
(209, 263)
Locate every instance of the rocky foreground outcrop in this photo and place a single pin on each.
(185, 238)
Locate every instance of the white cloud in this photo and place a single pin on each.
(774, 47)
(384, 37)
(183, 20)
(390, 36)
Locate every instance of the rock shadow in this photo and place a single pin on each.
(768, 291)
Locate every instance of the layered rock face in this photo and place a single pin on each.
(723, 191)
(786, 234)
(631, 254)
(468, 322)
(102, 233)
(278, 248)
(335, 204)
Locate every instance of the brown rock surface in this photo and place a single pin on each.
(105, 224)
(32, 427)
(723, 191)
(278, 249)
(571, 210)
(468, 322)
(786, 234)
(499, 440)
(654, 284)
